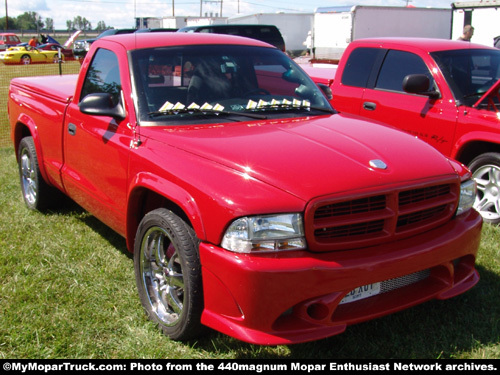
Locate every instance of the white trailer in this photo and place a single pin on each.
(335, 27)
(484, 16)
(293, 26)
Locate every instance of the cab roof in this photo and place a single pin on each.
(426, 44)
(165, 39)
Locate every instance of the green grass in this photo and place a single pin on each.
(68, 291)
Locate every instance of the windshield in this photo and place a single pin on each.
(213, 83)
(469, 72)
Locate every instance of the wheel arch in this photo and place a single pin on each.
(26, 127)
(470, 150)
(146, 197)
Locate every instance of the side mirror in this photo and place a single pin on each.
(101, 104)
(326, 90)
(419, 84)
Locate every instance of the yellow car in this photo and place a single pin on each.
(28, 55)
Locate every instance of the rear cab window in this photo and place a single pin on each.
(359, 66)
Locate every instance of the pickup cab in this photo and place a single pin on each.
(442, 91)
(249, 205)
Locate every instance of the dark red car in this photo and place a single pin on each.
(67, 52)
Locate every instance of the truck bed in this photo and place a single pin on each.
(59, 87)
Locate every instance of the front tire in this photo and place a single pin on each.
(168, 274)
(486, 171)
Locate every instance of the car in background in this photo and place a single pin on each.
(66, 52)
(82, 46)
(8, 40)
(266, 33)
(25, 55)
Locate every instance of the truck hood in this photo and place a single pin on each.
(310, 157)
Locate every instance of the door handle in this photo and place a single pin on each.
(369, 106)
(71, 129)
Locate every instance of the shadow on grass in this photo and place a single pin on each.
(67, 206)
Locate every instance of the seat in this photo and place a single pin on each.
(208, 83)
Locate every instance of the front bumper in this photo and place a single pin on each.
(294, 297)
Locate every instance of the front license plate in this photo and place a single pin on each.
(361, 293)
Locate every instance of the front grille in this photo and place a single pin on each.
(400, 282)
(351, 230)
(422, 194)
(394, 284)
(420, 216)
(337, 224)
(362, 205)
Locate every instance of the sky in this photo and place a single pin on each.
(122, 13)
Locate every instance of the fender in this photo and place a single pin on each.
(473, 137)
(170, 191)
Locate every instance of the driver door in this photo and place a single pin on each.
(96, 148)
(432, 120)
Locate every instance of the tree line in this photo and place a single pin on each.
(33, 21)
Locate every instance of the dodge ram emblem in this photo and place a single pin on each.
(377, 163)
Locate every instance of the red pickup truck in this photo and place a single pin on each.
(250, 206)
(441, 91)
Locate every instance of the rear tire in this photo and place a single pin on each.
(37, 194)
(168, 274)
(486, 171)
(25, 59)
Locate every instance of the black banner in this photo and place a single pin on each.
(232, 366)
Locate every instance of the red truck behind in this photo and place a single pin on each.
(250, 206)
(441, 91)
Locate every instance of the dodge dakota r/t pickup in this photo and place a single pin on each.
(442, 91)
(250, 206)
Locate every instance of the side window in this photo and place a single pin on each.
(397, 65)
(359, 66)
(103, 76)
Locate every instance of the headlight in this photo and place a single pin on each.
(468, 191)
(265, 233)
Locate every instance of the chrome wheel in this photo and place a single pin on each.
(488, 186)
(168, 274)
(36, 193)
(162, 276)
(28, 172)
(486, 171)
